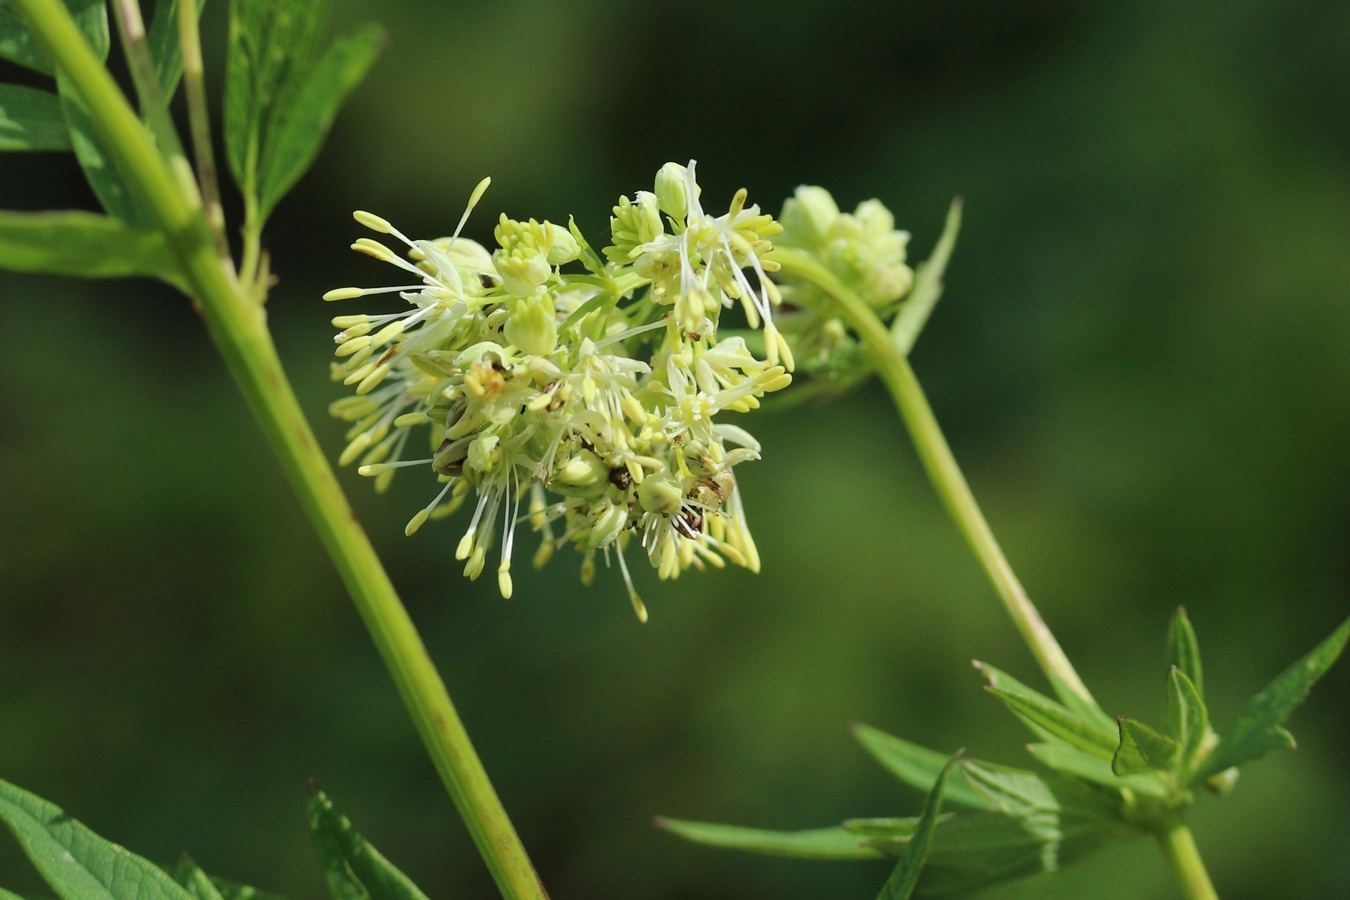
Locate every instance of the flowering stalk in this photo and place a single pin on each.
(238, 326)
(940, 464)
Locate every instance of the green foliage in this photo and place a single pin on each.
(31, 119)
(906, 874)
(76, 863)
(1258, 728)
(196, 882)
(1051, 721)
(85, 245)
(19, 45)
(1143, 750)
(1183, 649)
(815, 843)
(353, 869)
(916, 766)
(166, 51)
(282, 92)
(927, 289)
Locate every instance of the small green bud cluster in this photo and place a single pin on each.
(594, 398)
(864, 251)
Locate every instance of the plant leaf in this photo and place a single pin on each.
(1072, 761)
(916, 766)
(1187, 717)
(166, 50)
(923, 296)
(816, 843)
(1143, 750)
(75, 862)
(19, 45)
(1051, 721)
(304, 115)
(1257, 730)
(1072, 703)
(906, 873)
(1183, 649)
(351, 866)
(84, 245)
(196, 882)
(31, 119)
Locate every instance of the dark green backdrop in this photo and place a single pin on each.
(1143, 361)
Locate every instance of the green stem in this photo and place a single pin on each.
(1179, 847)
(199, 124)
(238, 326)
(941, 466)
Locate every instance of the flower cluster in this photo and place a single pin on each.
(863, 250)
(591, 398)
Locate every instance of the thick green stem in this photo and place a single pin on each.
(1179, 847)
(941, 466)
(238, 327)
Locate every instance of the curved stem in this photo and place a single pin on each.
(238, 326)
(942, 468)
(1179, 847)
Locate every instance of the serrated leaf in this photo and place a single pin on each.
(75, 862)
(1188, 719)
(196, 882)
(19, 45)
(906, 873)
(1051, 721)
(1071, 761)
(1258, 728)
(1070, 701)
(31, 119)
(166, 50)
(916, 766)
(1183, 649)
(923, 296)
(351, 866)
(815, 843)
(303, 116)
(1143, 750)
(84, 245)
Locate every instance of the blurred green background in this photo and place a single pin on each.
(1142, 360)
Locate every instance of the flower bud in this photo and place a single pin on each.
(671, 190)
(660, 495)
(533, 324)
(562, 246)
(484, 453)
(808, 217)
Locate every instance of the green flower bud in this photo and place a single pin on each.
(522, 261)
(607, 523)
(671, 190)
(533, 324)
(632, 225)
(563, 247)
(660, 495)
(584, 470)
(808, 217)
(484, 453)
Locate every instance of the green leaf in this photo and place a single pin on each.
(1073, 703)
(84, 245)
(1183, 650)
(906, 873)
(1039, 825)
(351, 866)
(816, 843)
(1143, 750)
(75, 862)
(19, 45)
(101, 169)
(916, 766)
(281, 93)
(7, 895)
(31, 119)
(1051, 721)
(923, 296)
(1188, 719)
(1257, 730)
(1072, 761)
(303, 116)
(166, 50)
(196, 882)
